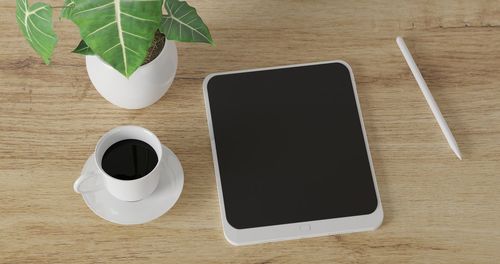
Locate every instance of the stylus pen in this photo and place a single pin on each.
(428, 96)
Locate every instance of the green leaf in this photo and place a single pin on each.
(67, 9)
(36, 24)
(182, 23)
(83, 49)
(118, 31)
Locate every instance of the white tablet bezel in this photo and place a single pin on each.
(295, 230)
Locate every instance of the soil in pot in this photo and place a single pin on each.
(156, 47)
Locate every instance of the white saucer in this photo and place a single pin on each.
(105, 205)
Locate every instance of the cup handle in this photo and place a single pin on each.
(81, 188)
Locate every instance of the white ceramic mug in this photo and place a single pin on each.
(126, 190)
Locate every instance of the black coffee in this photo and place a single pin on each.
(129, 159)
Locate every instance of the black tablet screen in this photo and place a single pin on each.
(290, 146)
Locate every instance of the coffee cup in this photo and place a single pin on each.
(127, 163)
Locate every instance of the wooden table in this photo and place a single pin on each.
(437, 209)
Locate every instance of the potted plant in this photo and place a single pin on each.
(130, 54)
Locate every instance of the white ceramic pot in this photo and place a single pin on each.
(143, 88)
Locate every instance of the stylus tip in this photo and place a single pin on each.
(457, 152)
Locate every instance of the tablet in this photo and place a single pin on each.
(290, 153)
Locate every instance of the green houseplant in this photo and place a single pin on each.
(118, 33)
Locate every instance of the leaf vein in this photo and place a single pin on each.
(170, 26)
(20, 20)
(93, 8)
(106, 51)
(120, 35)
(36, 10)
(195, 29)
(186, 13)
(138, 18)
(178, 8)
(41, 17)
(191, 21)
(131, 50)
(37, 41)
(134, 35)
(101, 28)
(39, 30)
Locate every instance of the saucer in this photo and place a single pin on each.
(105, 205)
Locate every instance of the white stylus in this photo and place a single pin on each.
(428, 96)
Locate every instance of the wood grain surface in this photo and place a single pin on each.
(437, 209)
